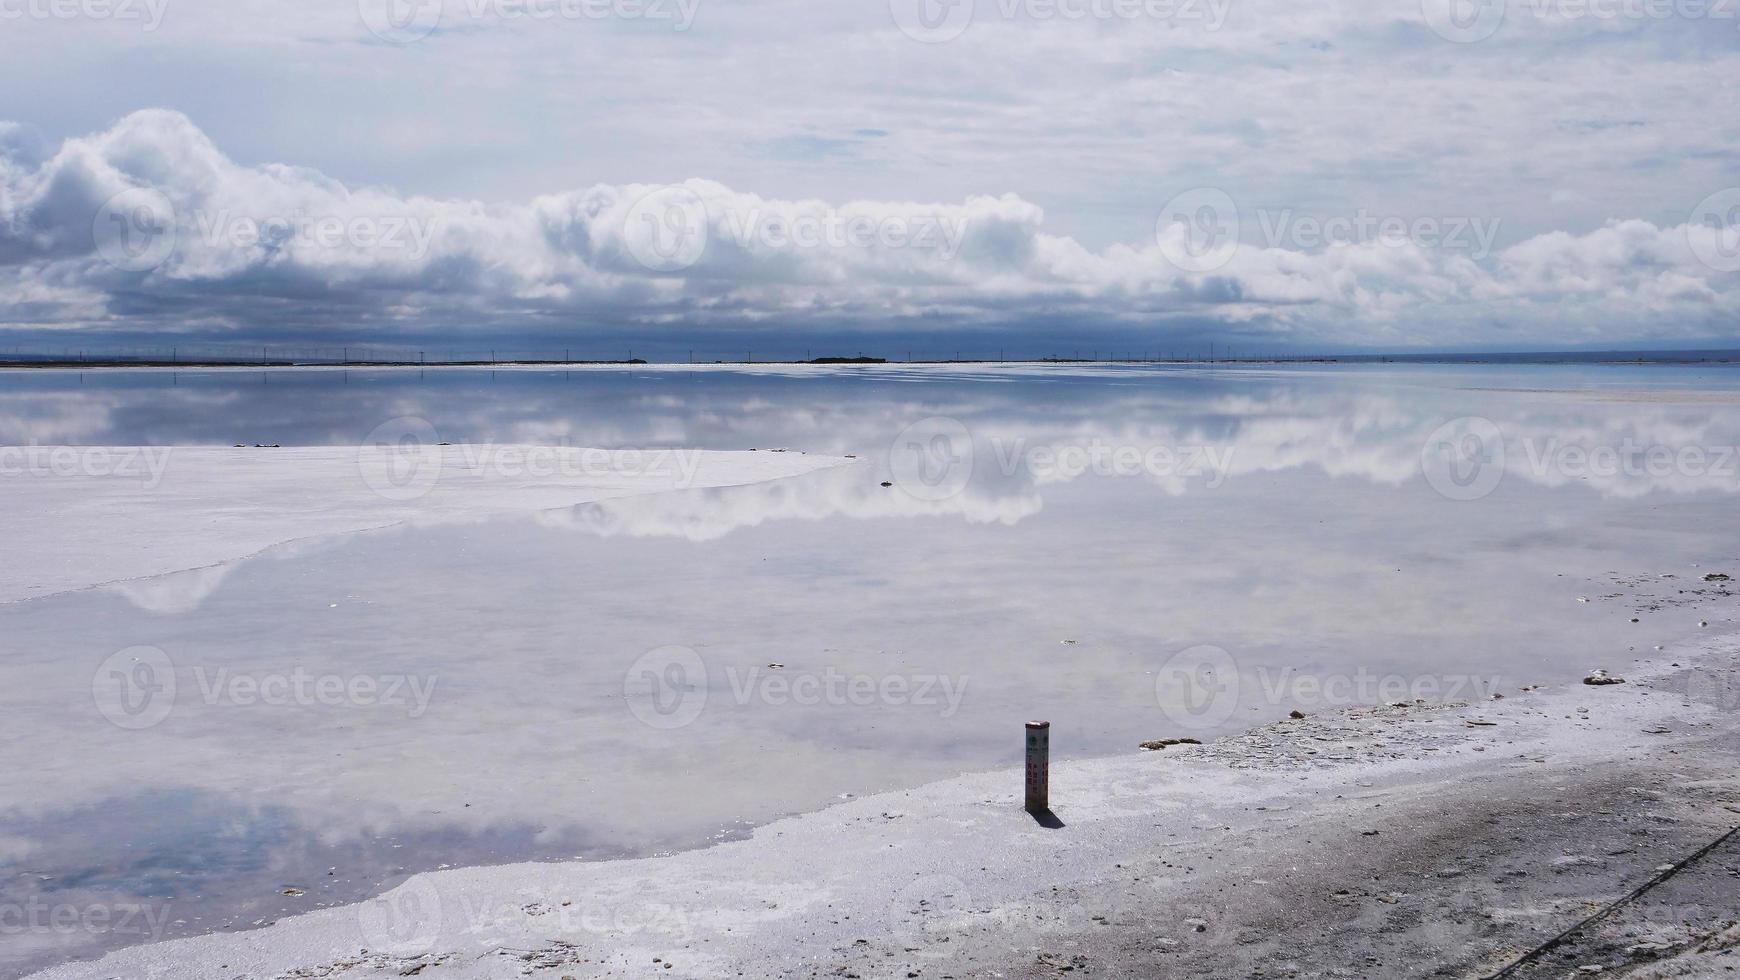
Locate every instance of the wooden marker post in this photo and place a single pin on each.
(1038, 766)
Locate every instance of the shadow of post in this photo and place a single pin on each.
(1045, 818)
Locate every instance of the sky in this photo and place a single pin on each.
(1024, 177)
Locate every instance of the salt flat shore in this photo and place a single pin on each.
(1416, 839)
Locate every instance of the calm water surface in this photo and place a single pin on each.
(1133, 552)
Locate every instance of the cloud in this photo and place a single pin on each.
(150, 224)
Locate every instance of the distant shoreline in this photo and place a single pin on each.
(1645, 359)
